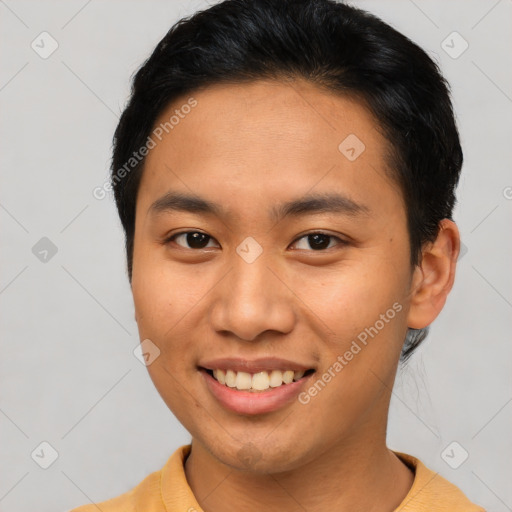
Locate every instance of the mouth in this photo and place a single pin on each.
(248, 393)
(259, 382)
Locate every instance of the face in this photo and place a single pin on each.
(291, 254)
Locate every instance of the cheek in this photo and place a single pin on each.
(359, 360)
(162, 298)
(354, 296)
(162, 292)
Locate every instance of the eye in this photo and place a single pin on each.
(194, 239)
(318, 241)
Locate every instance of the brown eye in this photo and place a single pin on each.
(318, 241)
(192, 240)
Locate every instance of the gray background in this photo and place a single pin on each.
(67, 369)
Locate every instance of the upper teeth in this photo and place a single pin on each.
(257, 381)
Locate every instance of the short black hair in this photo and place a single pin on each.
(336, 46)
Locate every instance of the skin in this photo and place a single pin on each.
(250, 147)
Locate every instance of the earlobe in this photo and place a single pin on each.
(433, 278)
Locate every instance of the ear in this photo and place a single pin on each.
(433, 279)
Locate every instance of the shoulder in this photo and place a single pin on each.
(430, 491)
(127, 502)
(147, 495)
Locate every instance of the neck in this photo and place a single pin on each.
(353, 477)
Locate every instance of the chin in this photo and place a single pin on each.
(258, 457)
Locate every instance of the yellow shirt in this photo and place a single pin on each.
(167, 490)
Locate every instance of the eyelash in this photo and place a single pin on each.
(339, 240)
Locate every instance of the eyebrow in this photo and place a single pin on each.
(308, 205)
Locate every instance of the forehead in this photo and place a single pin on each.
(269, 113)
(261, 139)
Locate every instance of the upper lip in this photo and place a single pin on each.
(253, 365)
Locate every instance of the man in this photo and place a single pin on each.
(285, 174)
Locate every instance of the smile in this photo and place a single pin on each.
(257, 392)
(257, 382)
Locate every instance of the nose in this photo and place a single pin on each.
(251, 300)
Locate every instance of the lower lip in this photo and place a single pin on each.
(260, 402)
